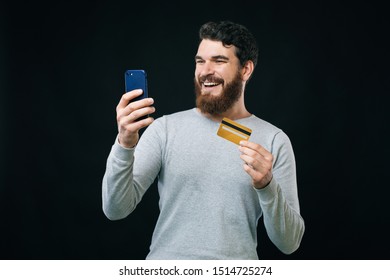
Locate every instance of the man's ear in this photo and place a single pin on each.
(247, 70)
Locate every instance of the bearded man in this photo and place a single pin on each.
(212, 191)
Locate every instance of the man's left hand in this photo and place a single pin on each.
(258, 163)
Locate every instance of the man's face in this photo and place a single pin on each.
(218, 81)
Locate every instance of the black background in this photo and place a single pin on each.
(322, 77)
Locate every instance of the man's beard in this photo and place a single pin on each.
(216, 105)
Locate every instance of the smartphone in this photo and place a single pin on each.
(136, 79)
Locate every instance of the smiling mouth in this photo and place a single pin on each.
(208, 87)
(210, 84)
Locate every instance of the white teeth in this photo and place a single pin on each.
(210, 84)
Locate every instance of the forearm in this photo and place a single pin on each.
(285, 226)
(118, 194)
(130, 172)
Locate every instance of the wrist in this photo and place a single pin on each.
(263, 185)
(127, 143)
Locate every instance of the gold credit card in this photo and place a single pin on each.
(232, 131)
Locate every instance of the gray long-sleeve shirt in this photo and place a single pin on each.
(208, 207)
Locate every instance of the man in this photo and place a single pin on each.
(212, 192)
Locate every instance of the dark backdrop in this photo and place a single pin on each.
(322, 77)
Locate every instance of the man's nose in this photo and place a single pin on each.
(207, 69)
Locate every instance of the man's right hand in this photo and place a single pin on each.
(128, 112)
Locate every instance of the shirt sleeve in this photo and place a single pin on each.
(279, 200)
(130, 172)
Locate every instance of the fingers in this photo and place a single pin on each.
(258, 163)
(128, 111)
(253, 148)
(127, 97)
(126, 107)
(133, 113)
(256, 175)
(129, 117)
(134, 127)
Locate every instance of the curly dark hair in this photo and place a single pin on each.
(230, 33)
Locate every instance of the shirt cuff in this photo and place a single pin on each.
(121, 152)
(268, 194)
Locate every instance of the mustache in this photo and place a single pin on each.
(210, 78)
